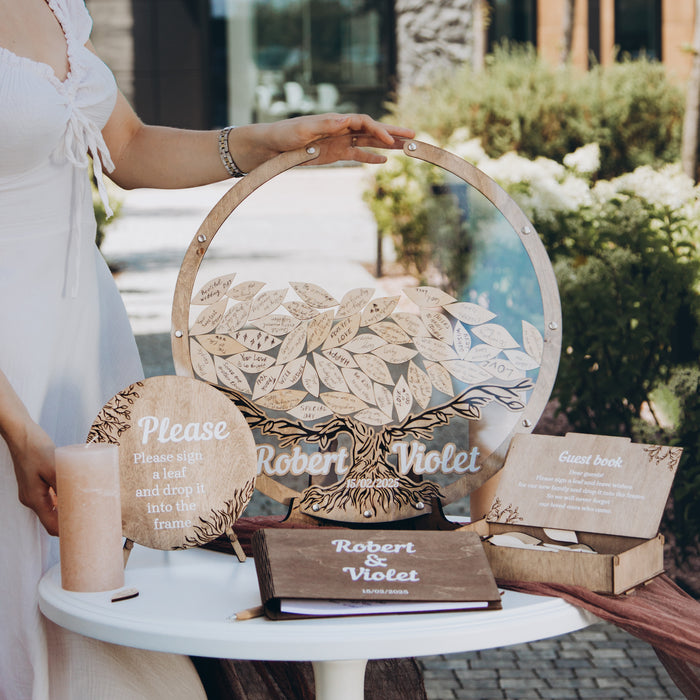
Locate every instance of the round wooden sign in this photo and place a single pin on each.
(187, 460)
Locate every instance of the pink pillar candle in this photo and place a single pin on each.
(89, 517)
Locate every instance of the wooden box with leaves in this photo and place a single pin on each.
(579, 510)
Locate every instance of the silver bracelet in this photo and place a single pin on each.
(231, 168)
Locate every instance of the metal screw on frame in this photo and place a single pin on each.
(367, 514)
(179, 334)
(419, 505)
(311, 150)
(201, 238)
(412, 146)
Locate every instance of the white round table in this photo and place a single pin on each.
(188, 598)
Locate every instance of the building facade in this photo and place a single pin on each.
(207, 63)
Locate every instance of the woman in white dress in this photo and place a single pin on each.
(66, 345)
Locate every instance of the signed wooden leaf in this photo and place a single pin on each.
(378, 309)
(471, 314)
(403, 399)
(340, 357)
(229, 375)
(466, 372)
(255, 339)
(395, 354)
(372, 416)
(522, 360)
(310, 380)
(461, 341)
(342, 332)
(266, 302)
(359, 384)
(353, 302)
(245, 291)
(482, 353)
(300, 310)
(440, 378)
(495, 335)
(282, 400)
(309, 411)
(235, 317)
(435, 350)
(419, 383)
(329, 373)
(503, 369)
(291, 373)
(533, 343)
(252, 362)
(292, 345)
(220, 344)
(202, 362)
(374, 367)
(213, 290)
(209, 318)
(365, 342)
(428, 296)
(276, 324)
(411, 323)
(342, 403)
(313, 295)
(318, 330)
(391, 332)
(266, 380)
(385, 400)
(438, 324)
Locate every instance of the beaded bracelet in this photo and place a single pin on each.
(231, 168)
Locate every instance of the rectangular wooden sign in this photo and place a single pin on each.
(358, 567)
(586, 483)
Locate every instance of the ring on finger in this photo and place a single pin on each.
(353, 142)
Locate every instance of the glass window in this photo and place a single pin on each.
(638, 28)
(512, 20)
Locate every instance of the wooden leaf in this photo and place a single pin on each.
(300, 310)
(266, 380)
(245, 291)
(276, 324)
(385, 400)
(411, 323)
(255, 339)
(342, 403)
(229, 375)
(219, 344)
(318, 330)
(365, 342)
(378, 309)
(395, 354)
(359, 384)
(282, 400)
(533, 343)
(354, 301)
(202, 362)
(438, 324)
(340, 357)
(471, 314)
(503, 369)
(462, 341)
(440, 378)
(466, 372)
(234, 318)
(482, 353)
(522, 360)
(329, 373)
(313, 295)
(435, 350)
(391, 332)
(374, 367)
(342, 332)
(213, 290)
(403, 399)
(495, 335)
(419, 383)
(309, 411)
(372, 416)
(252, 362)
(292, 345)
(310, 380)
(266, 302)
(209, 318)
(291, 373)
(428, 296)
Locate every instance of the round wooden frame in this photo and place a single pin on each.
(523, 228)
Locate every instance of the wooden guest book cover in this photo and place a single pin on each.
(333, 571)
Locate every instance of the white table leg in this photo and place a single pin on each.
(340, 680)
